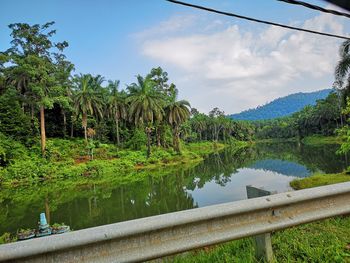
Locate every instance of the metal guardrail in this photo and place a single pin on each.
(158, 236)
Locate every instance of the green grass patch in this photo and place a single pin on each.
(319, 179)
(68, 160)
(320, 140)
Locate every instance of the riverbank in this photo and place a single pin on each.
(315, 140)
(322, 140)
(323, 241)
(67, 160)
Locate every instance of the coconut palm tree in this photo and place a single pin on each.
(342, 70)
(86, 100)
(116, 106)
(145, 106)
(177, 112)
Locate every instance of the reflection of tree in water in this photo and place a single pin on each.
(159, 192)
(219, 167)
(152, 196)
(91, 204)
(315, 158)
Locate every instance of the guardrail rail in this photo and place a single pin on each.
(162, 235)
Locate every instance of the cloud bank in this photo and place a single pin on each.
(218, 63)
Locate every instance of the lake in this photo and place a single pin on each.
(220, 178)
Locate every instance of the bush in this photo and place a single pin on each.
(10, 150)
(138, 140)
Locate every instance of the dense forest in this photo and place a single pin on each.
(48, 111)
(324, 118)
(282, 107)
(43, 101)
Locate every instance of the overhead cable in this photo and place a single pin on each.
(315, 7)
(256, 20)
(345, 4)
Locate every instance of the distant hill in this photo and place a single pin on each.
(282, 106)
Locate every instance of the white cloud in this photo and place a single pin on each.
(217, 64)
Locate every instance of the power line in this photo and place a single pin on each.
(341, 3)
(256, 20)
(315, 7)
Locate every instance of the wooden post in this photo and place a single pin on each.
(263, 247)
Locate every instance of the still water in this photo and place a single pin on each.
(220, 178)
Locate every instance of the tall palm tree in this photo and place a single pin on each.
(145, 106)
(177, 112)
(116, 106)
(342, 70)
(87, 100)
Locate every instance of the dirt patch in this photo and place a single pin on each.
(82, 159)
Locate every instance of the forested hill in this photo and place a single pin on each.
(282, 106)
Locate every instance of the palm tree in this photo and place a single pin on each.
(116, 106)
(342, 70)
(145, 106)
(177, 112)
(87, 100)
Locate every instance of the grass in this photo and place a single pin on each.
(320, 179)
(68, 160)
(322, 241)
(321, 140)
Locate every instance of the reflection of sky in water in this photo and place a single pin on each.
(212, 193)
(282, 167)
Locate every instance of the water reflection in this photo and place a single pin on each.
(220, 178)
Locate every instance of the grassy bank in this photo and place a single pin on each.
(321, 140)
(68, 160)
(323, 241)
(310, 140)
(320, 179)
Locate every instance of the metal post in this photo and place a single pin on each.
(263, 247)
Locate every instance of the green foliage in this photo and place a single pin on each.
(322, 119)
(320, 179)
(13, 121)
(137, 140)
(10, 151)
(7, 238)
(323, 241)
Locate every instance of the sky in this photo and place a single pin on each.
(215, 61)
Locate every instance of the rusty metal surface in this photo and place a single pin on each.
(158, 236)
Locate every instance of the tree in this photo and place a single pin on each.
(86, 100)
(146, 106)
(116, 106)
(177, 112)
(217, 121)
(342, 77)
(32, 57)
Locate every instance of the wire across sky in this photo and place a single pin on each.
(257, 20)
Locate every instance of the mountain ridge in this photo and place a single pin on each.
(283, 106)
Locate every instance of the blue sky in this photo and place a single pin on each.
(213, 60)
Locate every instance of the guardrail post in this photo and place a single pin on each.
(263, 247)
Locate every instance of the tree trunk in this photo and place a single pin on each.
(84, 124)
(148, 132)
(176, 139)
(72, 127)
(64, 123)
(32, 112)
(42, 130)
(117, 127)
(158, 136)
